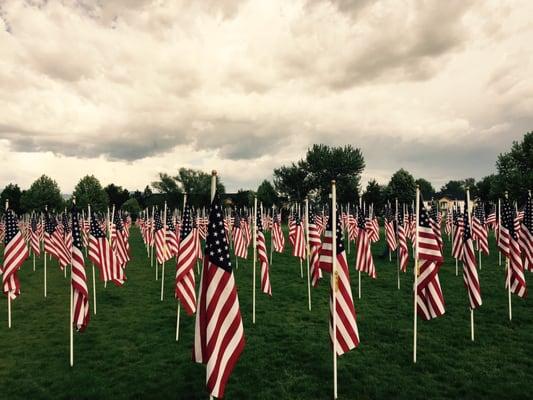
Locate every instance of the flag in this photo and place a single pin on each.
(278, 238)
(102, 255)
(35, 242)
(470, 275)
(364, 261)
(62, 252)
(430, 300)
(403, 250)
(119, 240)
(526, 236)
(389, 229)
(263, 257)
(15, 253)
(171, 237)
(219, 333)
(48, 235)
(509, 246)
(81, 315)
(298, 249)
(347, 333)
(435, 223)
(314, 250)
(479, 228)
(457, 248)
(239, 243)
(160, 235)
(185, 279)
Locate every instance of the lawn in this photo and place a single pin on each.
(129, 349)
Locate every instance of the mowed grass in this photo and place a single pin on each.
(129, 349)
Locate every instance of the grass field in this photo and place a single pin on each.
(129, 349)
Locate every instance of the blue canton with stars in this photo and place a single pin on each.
(216, 246)
(76, 232)
(11, 226)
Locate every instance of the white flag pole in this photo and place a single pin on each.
(307, 251)
(9, 294)
(164, 250)
(254, 227)
(415, 271)
(397, 243)
(508, 265)
(334, 281)
(152, 241)
(469, 216)
(213, 190)
(179, 303)
(348, 226)
(499, 231)
(272, 233)
(71, 325)
(359, 272)
(456, 259)
(44, 253)
(94, 275)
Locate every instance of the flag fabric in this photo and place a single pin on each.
(430, 300)
(119, 240)
(160, 236)
(314, 250)
(510, 248)
(403, 250)
(185, 279)
(81, 315)
(62, 252)
(470, 275)
(48, 235)
(278, 237)
(390, 234)
(449, 222)
(263, 257)
(239, 242)
(492, 220)
(435, 221)
(526, 235)
(479, 228)
(364, 261)
(298, 249)
(457, 248)
(15, 253)
(219, 333)
(35, 242)
(171, 237)
(102, 255)
(347, 333)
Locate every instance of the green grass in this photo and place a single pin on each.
(129, 349)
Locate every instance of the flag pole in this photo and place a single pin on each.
(71, 329)
(469, 216)
(213, 190)
(359, 272)
(164, 249)
(307, 250)
(415, 270)
(254, 227)
(298, 210)
(499, 231)
(271, 233)
(348, 226)
(334, 281)
(8, 294)
(508, 266)
(179, 303)
(397, 245)
(152, 244)
(44, 253)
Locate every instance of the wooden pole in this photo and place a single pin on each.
(359, 272)
(254, 239)
(333, 282)
(8, 294)
(469, 216)
(397, 244)
(415, 270)
(307, 252)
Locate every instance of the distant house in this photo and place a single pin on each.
(446, 203)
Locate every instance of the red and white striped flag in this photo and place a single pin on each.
(298, 249)
(470, 275)
(314, 250)
(263, 257)
(479, 228)
(119, 240)
(185, 279)
(278, 237)
(526, 235)
(35, 242)
(15, 253)
(81, 315)
(403, 250)
(457, 247)
(389, 230)
(239, 242)
(364, 261)
(219, 333)
(162, 251)
(430, 300)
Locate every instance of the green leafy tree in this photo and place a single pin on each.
(243, 198)
(266, 194)
(515, 168)
(342, 164)
(292, 181)
(12, 193)
(375, 194)
(487, 188)
(90, 191)
(43, 192)
(401, 186)
(116, 195)
(132, 206)
(454, 189)
(426, 188)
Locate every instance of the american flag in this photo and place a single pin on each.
(492, 219)
(62, 252)
(526, 236)
(314, 250)
(185, 279)
(430, 300)
(263, 257)
(172, 238)
(239, 243)
(81, 315)
(196, 235)
(364, 261)
(372, 228)
(457, 248)
(246, 232)
(470, 275)
(49, 229)
(389, 229)
(509, 246)
(15, 253)
(352, 227)
(219, 333)
(35, 242)
(102, 255)
(278, 237)
(161, 249)
(298, 249)
(479, 228)
(403, 251)
(435, 221)
(347, 334)
(119, 240)
(67, 236)
(449, 222)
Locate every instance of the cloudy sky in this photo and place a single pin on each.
(124, 89)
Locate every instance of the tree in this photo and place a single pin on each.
(515, 168)
(374, 194)
(402, 187)
(132, 206)
(342, 164)
(243, 198)
(116, 195)
(292, 181)
(12, 193)
(43, 192)
(453, 189)
(266, 194)
(89, 191)
(487, 188)
(426, 188)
